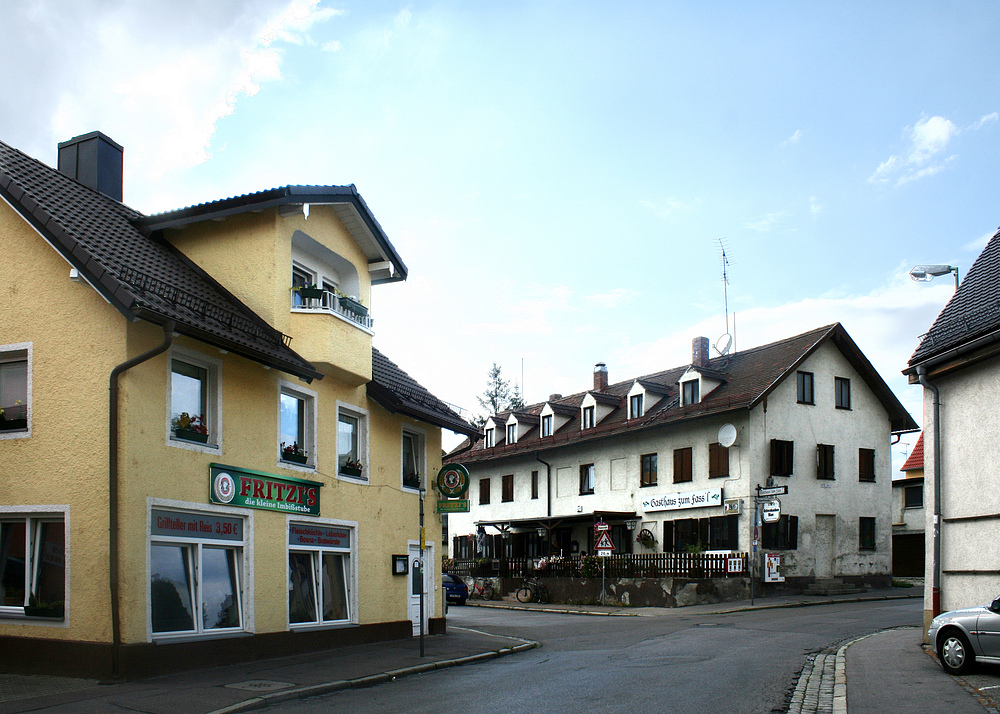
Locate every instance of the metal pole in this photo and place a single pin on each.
(423, 572)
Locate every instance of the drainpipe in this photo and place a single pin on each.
(548, 496)
(936, 573)
(116, 634)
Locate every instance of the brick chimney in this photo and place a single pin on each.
(699, 352)
(600, 377)
(95, 161)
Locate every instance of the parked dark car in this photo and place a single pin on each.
(455, 589)
(963, 637)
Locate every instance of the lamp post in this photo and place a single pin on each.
(926, 273)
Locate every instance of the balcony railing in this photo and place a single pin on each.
(329, 302)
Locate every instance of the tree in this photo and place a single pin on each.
(499, 396)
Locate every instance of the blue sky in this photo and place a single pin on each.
(558, 175)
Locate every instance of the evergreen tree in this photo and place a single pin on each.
(499, 396)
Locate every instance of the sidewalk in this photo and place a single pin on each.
(855, 673)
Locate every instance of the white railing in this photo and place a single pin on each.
(329, 302)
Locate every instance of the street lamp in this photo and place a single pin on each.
(926, 273)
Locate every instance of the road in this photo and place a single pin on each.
(740, 662)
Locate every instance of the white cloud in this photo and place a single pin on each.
(666, 208)
(793, 139)
(985, 119)
(927, 140)
(979, 243)
(767, 222)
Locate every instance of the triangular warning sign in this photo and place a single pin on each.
(604, 542)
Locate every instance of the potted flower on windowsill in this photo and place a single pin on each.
(352, 304)
(37, 608)
(352, 468)
(190, 428)
(14, 417)
(293, 453)
(309, 291)
(411, 480)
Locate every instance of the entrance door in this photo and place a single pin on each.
(418, 574)
(823, 540)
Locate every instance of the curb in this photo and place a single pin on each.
(371, 680)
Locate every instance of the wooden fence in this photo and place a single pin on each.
(634, 565)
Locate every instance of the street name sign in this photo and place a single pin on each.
(772, 491)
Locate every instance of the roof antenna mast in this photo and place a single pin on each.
(725, 343)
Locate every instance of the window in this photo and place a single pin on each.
(484, 492)
(488, 439)
(300, 279)
(507, 488)
(195, 417)
(32, 562)
(804, 394)
(647, 470)
(824, 461)
(781, 457)
(319, 590)
(866, 464)
(512, 433)
(351, 443)
(723, 533)
(682, 465)
(635, 406)
(718, 461)
(14, 389)
(690, 392)
(913, 496)
(842, 392)
(588, 417)
(781, 535)
(195, 583)
(297, 426)
(534, 485)
(547, 425)
(866, 533)
(413, 459)
(586, 479)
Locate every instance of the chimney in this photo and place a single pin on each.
(95, 161)
(600, 377)
(553, 397)
(699, 352)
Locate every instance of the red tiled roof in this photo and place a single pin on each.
(916, 458)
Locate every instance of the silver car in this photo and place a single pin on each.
(962, 638)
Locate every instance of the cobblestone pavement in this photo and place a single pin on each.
(15, 686)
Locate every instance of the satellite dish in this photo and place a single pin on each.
(727, 435)
(724, 344)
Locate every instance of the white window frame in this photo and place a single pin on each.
(352, 574)
(13, 353)
(489, 438)
(635, 404)
(213, 399)
(421, 457)
(697, 387)
(591, 411)
(546, 426)
(512, 433)
(245, 561)
(363, 452)
(309, 398)
(32, 515)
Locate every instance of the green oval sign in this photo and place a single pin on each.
(453, 480)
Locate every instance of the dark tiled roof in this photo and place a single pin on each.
(972, 313)
(750, 376)
(916, 458)
(138, 273)
(398, 392)
(564, 409)
(655, 387)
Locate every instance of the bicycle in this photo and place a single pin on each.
(532, 590)
(481, 588)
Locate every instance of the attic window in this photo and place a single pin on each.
(547, 425)
(512, 433)
(690, 392)
(635, 406)
(489, 439)
(588, 417)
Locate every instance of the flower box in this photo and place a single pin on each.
(13, 424)
(353, 306)
(190, 435)
(54, 612)
(312, 293)
(295, 458)
(351, 471)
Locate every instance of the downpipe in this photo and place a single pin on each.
(938, 490)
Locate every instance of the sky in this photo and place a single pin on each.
(561, 177)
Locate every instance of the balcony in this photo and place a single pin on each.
(334, 333)
(319, 300)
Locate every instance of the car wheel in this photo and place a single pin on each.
(955, 653)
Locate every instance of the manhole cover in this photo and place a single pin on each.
(260, 685)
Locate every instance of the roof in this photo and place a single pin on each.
(140, 274)
(398, 392)
(748, 377)
(972, 316)
(916, 458)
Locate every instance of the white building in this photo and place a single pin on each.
(909, 516)
(649, 456)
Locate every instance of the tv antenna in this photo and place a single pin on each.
(725, 343)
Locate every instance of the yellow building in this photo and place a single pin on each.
(202, 457)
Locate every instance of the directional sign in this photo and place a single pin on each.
(773, 491)
(600, 527)
(771, 511)
(604, 542)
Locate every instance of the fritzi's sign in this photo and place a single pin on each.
(233, 486)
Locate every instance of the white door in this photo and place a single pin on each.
(420, 574)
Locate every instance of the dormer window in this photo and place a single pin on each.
(588, 417)
(690, 395)
(512, 433)
(635, 406)
(489, 439)
(547, 425)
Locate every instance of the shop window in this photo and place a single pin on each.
(319, 577)
(15, 388)
(718, 461)
(32, 562)
(683, 469)
(351, 443)
(647, 470)
(195, 408)
(297, 426)
(413, 459)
